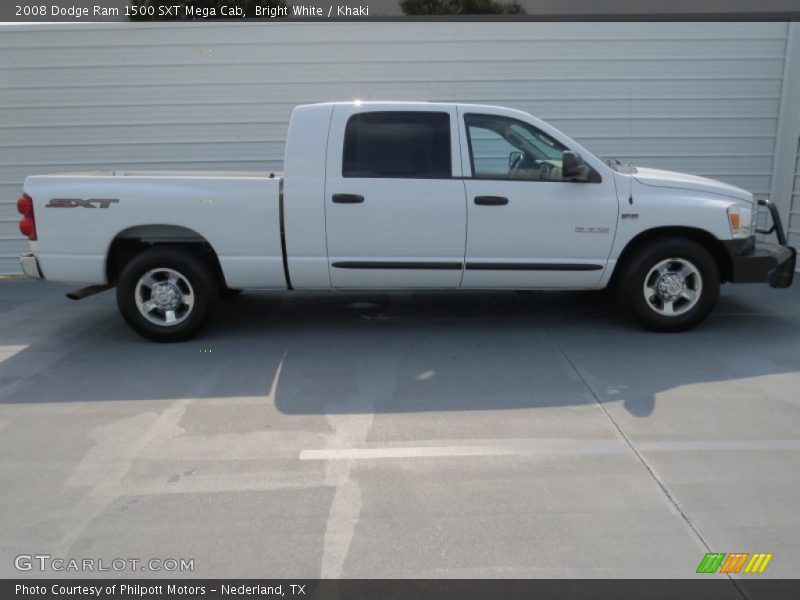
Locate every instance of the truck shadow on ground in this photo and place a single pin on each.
(380, 352)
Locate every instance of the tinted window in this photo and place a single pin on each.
(504, 148)
(397, 144)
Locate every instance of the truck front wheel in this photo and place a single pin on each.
(670, 284)
(167, 294)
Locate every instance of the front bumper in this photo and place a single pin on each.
(30, 266)
(759, 262)
(755, 262)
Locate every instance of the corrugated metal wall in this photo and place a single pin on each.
(794, 217)
(696, 97)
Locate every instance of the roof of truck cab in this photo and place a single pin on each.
(416, 104)
(381, 103)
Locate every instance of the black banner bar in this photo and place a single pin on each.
(713, 588)
(74, 11)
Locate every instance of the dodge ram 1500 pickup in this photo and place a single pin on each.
(397, 195)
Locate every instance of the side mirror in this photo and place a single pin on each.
(573, 167)
(514, 159)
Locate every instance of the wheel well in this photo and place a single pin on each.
(707, 240)
(133, 241)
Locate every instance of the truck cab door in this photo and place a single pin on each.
(528, 225)
(395, 209)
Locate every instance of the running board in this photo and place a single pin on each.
(88, 291)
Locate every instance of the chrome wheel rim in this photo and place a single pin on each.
(164, 297)
(673, 287)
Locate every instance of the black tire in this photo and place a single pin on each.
(199, 283)
(639, 270)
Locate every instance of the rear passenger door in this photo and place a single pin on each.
(395, 215)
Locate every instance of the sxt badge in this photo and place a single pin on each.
(75, 202)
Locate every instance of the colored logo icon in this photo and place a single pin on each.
(735, 562)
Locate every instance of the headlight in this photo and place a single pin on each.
(740, 218)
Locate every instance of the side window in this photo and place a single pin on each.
(398, 145)
(504, 148)
(490, 152)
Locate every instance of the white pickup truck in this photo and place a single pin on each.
(396, 195)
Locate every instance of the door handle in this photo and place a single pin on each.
(348, 198)
(491, 200)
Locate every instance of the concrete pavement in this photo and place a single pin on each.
(401, 435)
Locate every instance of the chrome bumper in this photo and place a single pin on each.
(30, 266)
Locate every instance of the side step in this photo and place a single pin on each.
(88, 291)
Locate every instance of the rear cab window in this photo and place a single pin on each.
(397, 144)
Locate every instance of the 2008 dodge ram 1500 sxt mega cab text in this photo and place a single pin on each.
(398, 195)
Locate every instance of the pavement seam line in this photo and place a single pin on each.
(639, 456)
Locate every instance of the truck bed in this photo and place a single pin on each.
(175, 174)
(81, 215)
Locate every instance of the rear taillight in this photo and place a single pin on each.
(27, 224)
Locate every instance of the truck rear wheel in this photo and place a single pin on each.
(671, 284)
(167, 294)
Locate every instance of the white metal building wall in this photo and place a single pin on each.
(794, 217)
(698, 97)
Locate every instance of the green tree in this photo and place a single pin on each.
(249, 7)
(460, 7)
